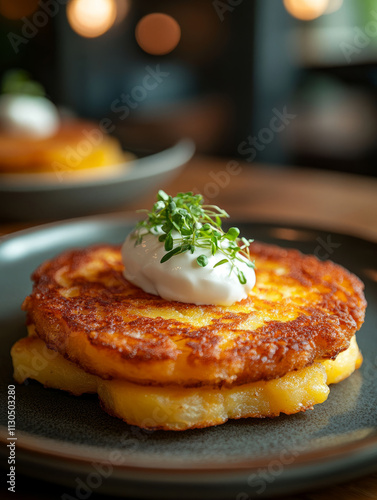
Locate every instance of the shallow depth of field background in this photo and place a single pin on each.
(276, 81)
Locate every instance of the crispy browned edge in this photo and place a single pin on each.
(320, 332)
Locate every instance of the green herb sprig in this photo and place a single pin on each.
(184, 223)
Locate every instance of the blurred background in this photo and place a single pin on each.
(276, 81)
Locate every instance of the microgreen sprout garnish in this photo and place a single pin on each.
(184, 224)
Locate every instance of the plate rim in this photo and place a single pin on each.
(136, 170)
(311, 457)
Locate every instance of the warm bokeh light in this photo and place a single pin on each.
(157, 33)
(333, 6)
(91, 18)
(16, 9)
(123, 8)
(306, 10)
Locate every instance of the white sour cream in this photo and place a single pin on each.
(181, 278)
(30, 116)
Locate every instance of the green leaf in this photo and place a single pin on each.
(160, 205)
(167, 227)
(170, 254)
(232, 233)
(169, 242)
(221, 262)
(241, 277)
(185, 247)
(162, 195)
(176, 226)
(202, 261)
(185, 231)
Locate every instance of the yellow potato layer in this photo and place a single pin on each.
(179, 408)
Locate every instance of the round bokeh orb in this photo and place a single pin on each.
(306, 10)
(91, 18)
(158, 33)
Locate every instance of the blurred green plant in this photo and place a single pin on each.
(19, 81)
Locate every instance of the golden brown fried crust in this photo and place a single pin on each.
(301, 310)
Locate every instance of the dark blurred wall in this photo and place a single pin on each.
(246, 79)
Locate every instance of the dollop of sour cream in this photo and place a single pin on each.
(28, 116)
(181, 278)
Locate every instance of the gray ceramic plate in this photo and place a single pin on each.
(62, 438)
(50, 196)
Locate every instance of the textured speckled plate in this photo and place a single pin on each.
(62, 438)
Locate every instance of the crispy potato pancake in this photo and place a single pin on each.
(301, 311)
(181, 408)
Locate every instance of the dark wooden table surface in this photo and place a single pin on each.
(320, 199)
(328, 200)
